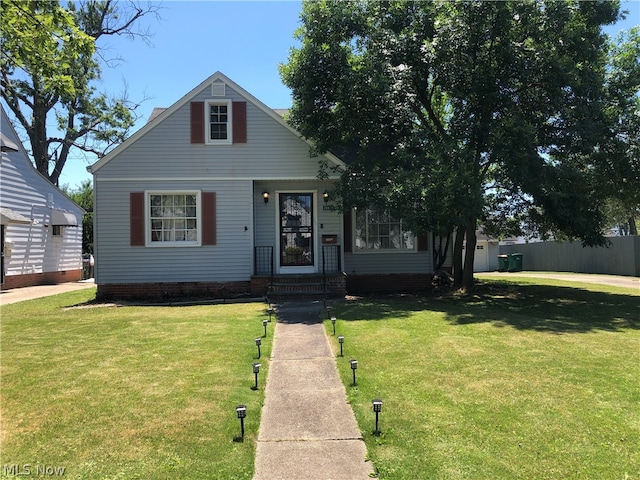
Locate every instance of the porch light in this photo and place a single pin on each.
(265, 196)
(333, 322)
(341, 341)
(325, 195)
(241, 411)
(256, 370)
(258, 343)
(264, 324)
(354, 366)
(377, 408)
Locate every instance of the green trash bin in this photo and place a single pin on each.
(515, 262)
(503, 263)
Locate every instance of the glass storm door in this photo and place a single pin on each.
(296, 231)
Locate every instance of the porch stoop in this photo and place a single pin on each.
(303, 287)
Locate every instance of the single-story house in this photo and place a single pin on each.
(41, 226)
(217, 194)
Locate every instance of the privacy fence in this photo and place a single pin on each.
(622, 257)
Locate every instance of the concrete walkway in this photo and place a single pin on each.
(15, 295)
(613, 280)
(308, 430)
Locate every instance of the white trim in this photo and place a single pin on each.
(314, 205)
(379, 251)
(147, 219)
(207, 124)
(206, 179)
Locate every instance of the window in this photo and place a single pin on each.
(174, 218)
(378, 231)
(219, 124)
(56, 230)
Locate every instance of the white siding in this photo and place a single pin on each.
(32, 248)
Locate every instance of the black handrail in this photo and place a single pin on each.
(331, 262)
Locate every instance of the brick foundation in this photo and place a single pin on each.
(389, 283)
(46, 278)
(166, 291)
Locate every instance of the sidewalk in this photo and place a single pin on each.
(307, 430)
(613, 280)
(29, 293)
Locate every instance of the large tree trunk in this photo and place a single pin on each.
(457, 256)
(470, 252)
(633, 228)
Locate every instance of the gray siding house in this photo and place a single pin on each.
(41, 226)
(218, 195)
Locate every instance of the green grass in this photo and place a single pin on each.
(130, 392)
(530, 379)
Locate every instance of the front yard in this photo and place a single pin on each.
(528, 379)
(520, 380)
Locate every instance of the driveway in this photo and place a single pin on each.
(613, 280)
(28, 293)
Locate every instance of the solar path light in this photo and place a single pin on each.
(341, 341)
(264, 324)
(377, 408)
(354, 367)
(333, 322)
(256, 370)
(241, 410)
(271, 312)
(328, 311)
(258, 343)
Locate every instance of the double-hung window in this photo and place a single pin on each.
(219, 122)
(377, 231)
(174, 218)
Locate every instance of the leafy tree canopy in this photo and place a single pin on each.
(457, 112)
(49, 64)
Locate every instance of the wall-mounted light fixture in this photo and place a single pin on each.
(265, 196)
(325, 195)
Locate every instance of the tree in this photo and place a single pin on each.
(451, 113)
(50, 62)
(83, 196)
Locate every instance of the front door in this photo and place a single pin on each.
(297, 249)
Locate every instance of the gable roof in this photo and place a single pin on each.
(165, 113)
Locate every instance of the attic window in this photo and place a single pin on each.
(218, 89)
(219, 122)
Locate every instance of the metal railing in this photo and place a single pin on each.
(331, 262)
(263, 261)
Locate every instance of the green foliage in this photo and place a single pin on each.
(83, 196)
(50, 65)
(130, 392)
(501, 384)
(454, 112)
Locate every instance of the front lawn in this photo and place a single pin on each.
(129, 392)
(530, 379)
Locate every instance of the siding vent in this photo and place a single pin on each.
(218, 89)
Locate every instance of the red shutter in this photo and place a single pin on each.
(197, 122)
(423, 243)
(347, 229)
(136, 219)
(239, 115)
(208, 218)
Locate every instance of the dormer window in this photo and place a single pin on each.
(219, 122)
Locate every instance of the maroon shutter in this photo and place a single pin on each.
(347, 230)
(197, 122)
(239, 115)
(136, 219)
(423, 243)
(208, 218)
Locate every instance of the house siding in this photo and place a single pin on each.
(33, 255)
(119, 262)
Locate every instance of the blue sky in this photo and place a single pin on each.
(245, 40)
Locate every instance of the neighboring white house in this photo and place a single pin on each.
(487, 251)
(41, 226)
(217, 194)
